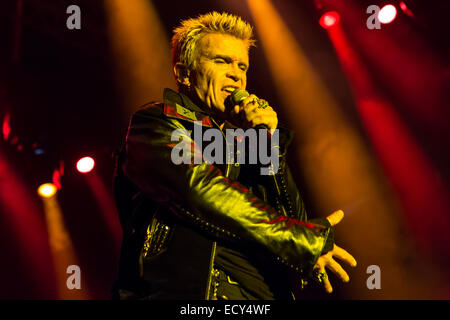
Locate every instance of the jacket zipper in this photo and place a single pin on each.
(214, 246)
(278, 192)
(210, 274)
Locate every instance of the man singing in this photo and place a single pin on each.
(223, 230)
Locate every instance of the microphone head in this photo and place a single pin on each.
(238, 95)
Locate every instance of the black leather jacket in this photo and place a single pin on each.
(173, 215)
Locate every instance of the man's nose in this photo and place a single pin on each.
(235, 73)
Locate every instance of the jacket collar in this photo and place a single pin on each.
(180, 106)
(171, 97)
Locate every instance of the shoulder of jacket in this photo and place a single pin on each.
(150, 109)
(171, 112)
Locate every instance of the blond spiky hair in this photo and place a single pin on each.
(190, 31)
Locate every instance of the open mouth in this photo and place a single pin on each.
(229, 89)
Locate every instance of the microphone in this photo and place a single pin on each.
(236, 98)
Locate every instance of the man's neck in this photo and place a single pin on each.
(218, 118)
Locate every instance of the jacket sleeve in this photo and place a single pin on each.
(203, 197)
(290, 200)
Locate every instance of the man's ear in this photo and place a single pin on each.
(181, 74)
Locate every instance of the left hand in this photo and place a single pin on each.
(252, 115)
(327, 261)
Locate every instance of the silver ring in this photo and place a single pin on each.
(262, 103)
(319, 276)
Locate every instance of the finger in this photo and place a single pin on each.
(260, 115)
(327, 284)
(320, 264)
(343, 255)
(338, 270)
(335, 217)
(255, 115)
(250, 101)
(250, 111)
(245, 106)
(271, 122)
(268, 114)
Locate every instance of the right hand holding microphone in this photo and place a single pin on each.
(252, 111)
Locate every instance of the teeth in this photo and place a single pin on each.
(229, 89)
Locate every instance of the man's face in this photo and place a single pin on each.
(220, 68)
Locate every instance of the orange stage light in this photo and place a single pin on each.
(47, 190)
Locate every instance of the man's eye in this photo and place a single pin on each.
(219, 60)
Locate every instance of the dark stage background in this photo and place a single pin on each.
(383, 96)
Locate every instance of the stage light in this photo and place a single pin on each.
(39, 151)
(85, 165)
(133, 29)
(329, 19)
(405, 9)
(56, 178)
(387, 14)
(47, 190)
(6, 126)
(403, 6)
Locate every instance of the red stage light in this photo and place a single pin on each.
(405, 9)
(85, 165)
(403, 6)
(387, 14)
(329, 19)
(56, 179)
(6, 127)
